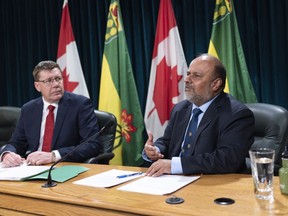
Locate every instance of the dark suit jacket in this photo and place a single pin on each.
(223, 138)
(75, 122)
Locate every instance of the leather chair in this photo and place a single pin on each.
(106, 137)
(8, 119)
(271, 130)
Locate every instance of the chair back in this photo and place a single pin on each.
(108, 135)
(9, 116)
(271, 129)
(106, 138)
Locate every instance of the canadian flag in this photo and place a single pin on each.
(68, 57)
(168, 71)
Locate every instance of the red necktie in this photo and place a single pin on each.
(49, 128)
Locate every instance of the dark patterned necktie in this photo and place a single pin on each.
(190, 133)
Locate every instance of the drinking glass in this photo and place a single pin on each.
(262, 165)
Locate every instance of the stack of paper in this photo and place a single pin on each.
(28, 172)
(21, 173)
(161, 185)
(108, 179)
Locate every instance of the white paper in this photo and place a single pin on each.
(161, 185)
(107, 179)
(21, 172)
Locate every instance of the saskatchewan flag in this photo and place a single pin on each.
(118, 93)
(226, 45)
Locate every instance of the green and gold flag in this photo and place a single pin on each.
(118, 93)
(225, 44)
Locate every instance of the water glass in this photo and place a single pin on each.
(262, 165)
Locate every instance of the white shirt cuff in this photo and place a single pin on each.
(176, 166)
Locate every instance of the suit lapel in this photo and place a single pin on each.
(37, 113)
(182, 122)
(210, 113)
(63, 107)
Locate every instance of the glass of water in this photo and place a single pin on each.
(262, 165)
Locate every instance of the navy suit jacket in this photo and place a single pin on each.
(75, 122)
(222, 141)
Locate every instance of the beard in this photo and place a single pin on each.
(195, 98)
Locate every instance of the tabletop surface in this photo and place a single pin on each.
(198, 196)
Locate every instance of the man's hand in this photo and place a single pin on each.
(159, 167)
(11, 159)
(151, 150)
(39, 158)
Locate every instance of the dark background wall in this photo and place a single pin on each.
(29, 31)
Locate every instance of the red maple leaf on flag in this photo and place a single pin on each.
(68, 86)
(166, 88)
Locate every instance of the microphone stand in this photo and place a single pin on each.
(50, 182)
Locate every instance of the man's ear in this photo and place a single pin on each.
(216, 84)
(37, 86)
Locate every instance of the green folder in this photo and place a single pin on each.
(61, 174)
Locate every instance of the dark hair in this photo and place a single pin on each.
(44, 65)
(220, 71)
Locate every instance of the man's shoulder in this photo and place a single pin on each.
(33, 103)
(75, 100)
(232, 104)
(236, 104)
(74, 97)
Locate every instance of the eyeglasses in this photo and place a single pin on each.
(49, 82)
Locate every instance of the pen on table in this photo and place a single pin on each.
(129, 175)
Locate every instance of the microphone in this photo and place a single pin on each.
(51, 183)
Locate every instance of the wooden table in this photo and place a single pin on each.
(23, 198)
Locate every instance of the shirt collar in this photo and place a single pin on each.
(46, 104)
(204, 106)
